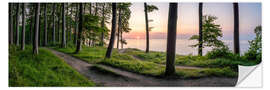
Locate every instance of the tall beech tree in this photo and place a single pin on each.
(105, 17)
(36, 31)
(236, 28)
(58, 23)
(63, 44)
(23, 27)
(147, 9)
(17, 24)
(147, 27)
(32, 18)
(171, 39)
(53, 32)
(102, 24)
(113, 30)
(11, 25)
(78, 48)
(200, 29)
(123, 24)
(45, 26)
(76, 24)
(119, 24)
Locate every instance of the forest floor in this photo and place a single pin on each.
(104, 75)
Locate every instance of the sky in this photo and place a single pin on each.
(250, 16)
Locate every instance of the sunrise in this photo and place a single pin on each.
(109, 44)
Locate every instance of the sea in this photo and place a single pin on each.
(182, 45)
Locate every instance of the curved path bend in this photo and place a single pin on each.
(125, 78)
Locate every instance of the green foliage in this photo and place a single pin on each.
(211, 33)
(151, 8)
(255, 49)
(92, 29)
(44, 69)
(222, 52)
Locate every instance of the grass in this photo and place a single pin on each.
(189, 60)
(44, 69)
(153, 69)
(151, 63)
(91, 55)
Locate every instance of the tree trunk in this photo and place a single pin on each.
(10, 23)
(147, 28)
(53, 14)
(17, 24)
(59, 19)
(63, 45)
(90, 8)
(96, 9)
(121, 39)
(70, 32)
(45, 26)
(67, 24)
(32, 17)
(171, 39)
(23, 27)
(200, 29)
(111, 43)
(236, 28)
(102, 25)
(76, 22)
(39, 34)
(35, 41)
(84, 7)
(119, 27)
(80, 28)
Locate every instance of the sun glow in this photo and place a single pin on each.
(138, 37)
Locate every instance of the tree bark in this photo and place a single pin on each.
(53, 14)
(63, 45)
(70, 32)
(23, 27)
(80, 28)
(17, 24)
(76, 26)
(102, 25)
(171, 39)
(236, 28)
(90, 8)
(35, 41)
(10, 24)
(200, 29)
(45, 26)
(32, 17)
(59, 19)
(96, 9)
(119, 28)
(39, 34)
(147, 28)
(121, 39)
(111, 43)
(67, 24)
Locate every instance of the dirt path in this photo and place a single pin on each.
(132, 79)
(176, 66)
